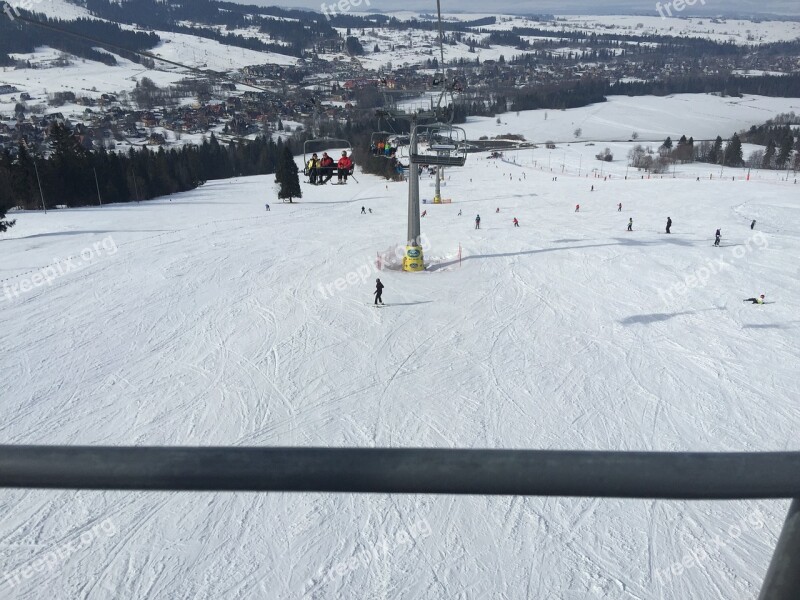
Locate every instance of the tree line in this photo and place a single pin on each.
(17, 36)
(298, 29)
(68, 173)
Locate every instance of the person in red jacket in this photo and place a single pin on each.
(326, 166)
(345, 164)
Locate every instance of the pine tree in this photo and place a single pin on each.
(5, 225)
(715, 154)
(786, 151)
(733, 152)
(287, 177)
(769, 155)
(5, 190)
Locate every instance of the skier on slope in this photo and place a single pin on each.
(363, 211)
(516, 223)
(619, 207)
(478, 222)
(577, 208)
(753, 225)
(759, 300)
(717, 237)
(630, 224)
(669, 224)
(459, 212)
(378, 291)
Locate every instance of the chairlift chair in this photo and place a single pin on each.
(446, 145)
(311, 147)
(382, 136)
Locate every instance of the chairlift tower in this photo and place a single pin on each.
(444, 145)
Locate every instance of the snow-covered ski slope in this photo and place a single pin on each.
(206, 320)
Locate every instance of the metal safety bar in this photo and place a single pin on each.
(653, 475)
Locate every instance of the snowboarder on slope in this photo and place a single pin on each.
(717, 237)
(753, 225)
(378, 291)
(516, 223)
(630, 224)
(759, 300)
(459, 212)
(478, 222)
(669, 224)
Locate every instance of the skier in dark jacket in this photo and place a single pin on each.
(478, 222)
(717, 237)
(669, 224)
(378, 291)
(753, 225)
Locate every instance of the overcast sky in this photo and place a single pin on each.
(593, 7)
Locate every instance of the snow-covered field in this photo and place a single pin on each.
(413, 47)
(205, 320)
(701, 116)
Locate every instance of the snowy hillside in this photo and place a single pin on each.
(202, 319)
(653, 118)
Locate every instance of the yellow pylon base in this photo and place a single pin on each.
(413, 260)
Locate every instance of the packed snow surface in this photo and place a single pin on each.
(203, 319)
